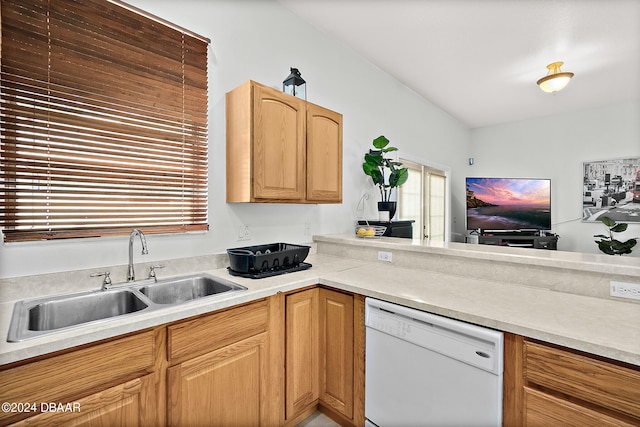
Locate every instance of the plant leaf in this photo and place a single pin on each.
(393, 179)
(370, 169)
(607, 221)
(380, 142)
(619, 228)
(605, 247)
(398, 177)
(616, 247)
(372, 159)
(403, 175)
(374, 173)
(627, 245)
(389, 149)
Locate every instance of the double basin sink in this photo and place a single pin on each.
(36, 317)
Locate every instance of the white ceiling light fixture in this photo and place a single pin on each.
(555, 79)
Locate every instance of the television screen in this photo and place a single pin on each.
(508, 204)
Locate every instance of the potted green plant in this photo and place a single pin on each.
(608, 244)
(385, 172)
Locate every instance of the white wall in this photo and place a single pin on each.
(555, 147)
(260, 40)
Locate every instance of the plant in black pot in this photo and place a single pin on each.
(385, 172)
(608, 244)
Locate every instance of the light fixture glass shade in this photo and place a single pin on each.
(555, 79)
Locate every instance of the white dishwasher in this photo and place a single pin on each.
(428, 370)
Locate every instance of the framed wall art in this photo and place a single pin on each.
(611, 187)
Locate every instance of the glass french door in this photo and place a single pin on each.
(423, 199)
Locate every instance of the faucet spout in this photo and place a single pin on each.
(131, 275)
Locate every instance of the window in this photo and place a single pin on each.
(104, 122)
(423, 199)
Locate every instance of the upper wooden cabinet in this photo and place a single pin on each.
(324, 155)
(281, 148)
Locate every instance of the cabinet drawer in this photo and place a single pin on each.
(210, 332)
(544, 410)
(595, 381)
(69, 376)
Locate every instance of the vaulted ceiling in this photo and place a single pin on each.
(479, 60)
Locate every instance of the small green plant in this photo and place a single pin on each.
(375, 164)
(608, 244)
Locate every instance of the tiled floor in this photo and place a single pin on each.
(318, 420)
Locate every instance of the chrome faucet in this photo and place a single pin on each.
(131, 275)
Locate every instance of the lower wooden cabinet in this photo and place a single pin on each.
(324, 352)
(108, 383)
(220, 369)
(128, 404)
(547, 385)
(226, 387)
(302, 354)
(336, 351)
(225, 368)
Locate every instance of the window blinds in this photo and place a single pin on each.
(103, 116)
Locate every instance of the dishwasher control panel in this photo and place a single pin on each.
(380, 320)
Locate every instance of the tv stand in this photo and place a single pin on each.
(519, 239)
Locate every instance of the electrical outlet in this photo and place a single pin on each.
(624, 290)
(384, 256)
(244, 233)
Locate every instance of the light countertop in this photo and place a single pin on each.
(602, 327)
(578, 261)
(599, 326)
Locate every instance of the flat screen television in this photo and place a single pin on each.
(508, 204)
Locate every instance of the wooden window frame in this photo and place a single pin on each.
(104, 122)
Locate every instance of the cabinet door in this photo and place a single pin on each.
(279, 150)
(324, 155)
(226, 387)
(128, 404)
(302, 353)
(336, 346)
(69, 376)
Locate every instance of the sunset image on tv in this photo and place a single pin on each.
(508, 204)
